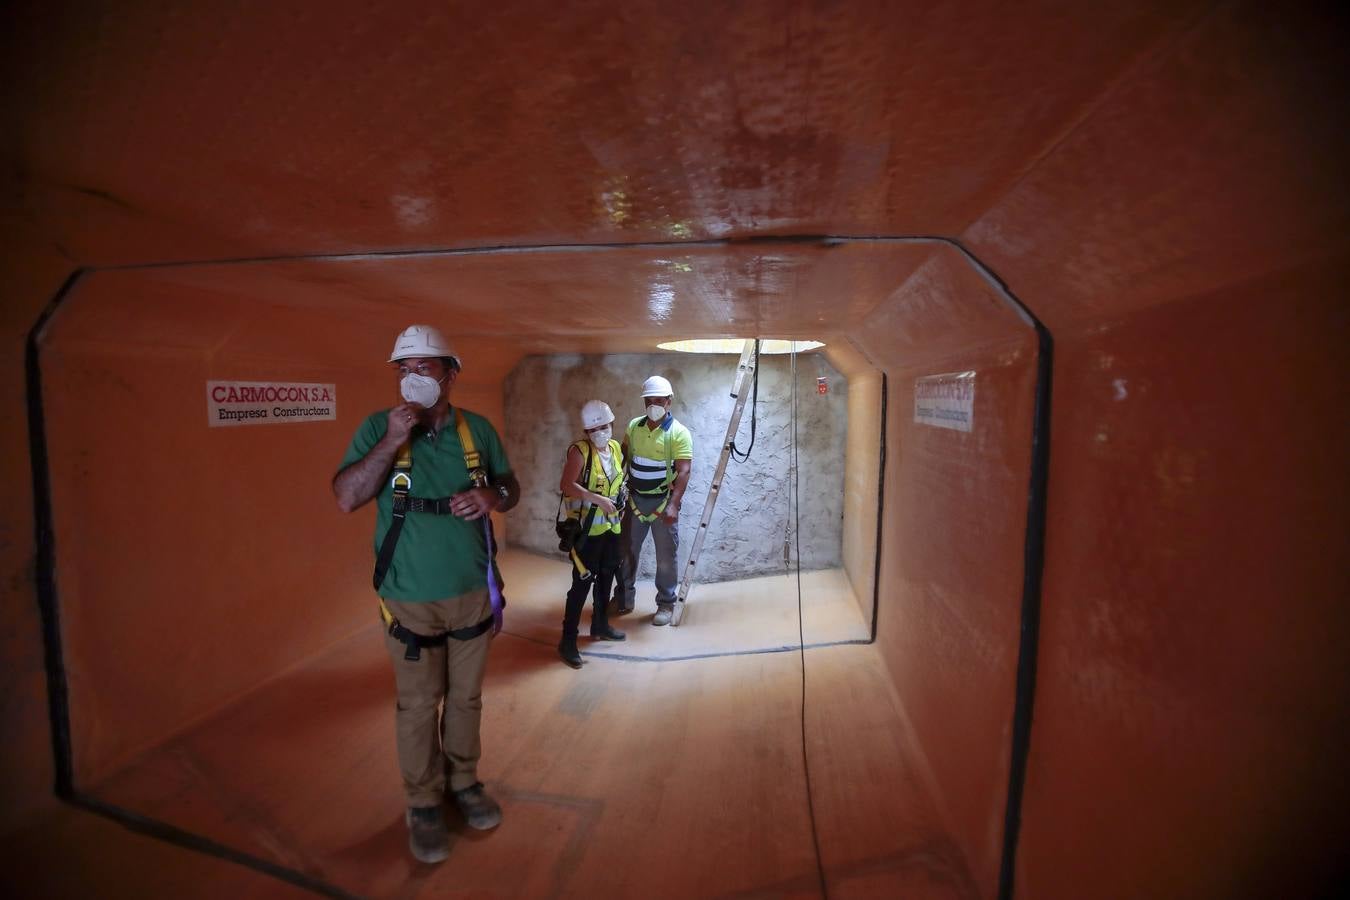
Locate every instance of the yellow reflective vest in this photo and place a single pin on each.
(600, 482)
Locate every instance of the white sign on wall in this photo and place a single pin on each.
(268, 402)
(945, 401)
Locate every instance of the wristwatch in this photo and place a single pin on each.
(502, 491)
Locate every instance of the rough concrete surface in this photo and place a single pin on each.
(543, 397)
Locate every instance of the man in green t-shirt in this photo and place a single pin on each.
(660, 454)
(439, 591)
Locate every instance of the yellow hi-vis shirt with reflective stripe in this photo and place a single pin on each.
(598, 481)
(649, 449)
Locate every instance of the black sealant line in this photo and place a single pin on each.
(44, 567)
(188, 840)
(881, 507)
(1033, 547)
(824, 240)
(1033, 567)
(633, 657)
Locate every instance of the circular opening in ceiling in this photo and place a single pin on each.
(735, 345)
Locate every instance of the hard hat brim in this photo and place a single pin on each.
(450, 356)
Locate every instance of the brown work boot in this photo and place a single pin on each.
(428, 838)
(480, 811)
(664, 612)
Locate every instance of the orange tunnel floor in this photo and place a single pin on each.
(627, 778)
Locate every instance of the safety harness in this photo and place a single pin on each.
(415, 642)
(584, 532)
(670, 465)
(404, 503)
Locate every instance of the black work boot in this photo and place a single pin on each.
(600, 627)
(603, 631)
(567, 649)
(428, 838)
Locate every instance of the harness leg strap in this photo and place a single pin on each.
(414, 642)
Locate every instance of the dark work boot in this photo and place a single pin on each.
(567, 649)
(428, 838)
(603, 631)
(480, 811)
(600, 627)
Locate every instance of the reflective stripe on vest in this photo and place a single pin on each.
(645, 475)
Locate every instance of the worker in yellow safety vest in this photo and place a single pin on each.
(593, 488)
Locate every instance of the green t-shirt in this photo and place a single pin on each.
(437, 557)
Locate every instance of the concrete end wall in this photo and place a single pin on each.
(543, 396)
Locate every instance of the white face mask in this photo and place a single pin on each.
(600, 437)
(420, 389)
(656, 413)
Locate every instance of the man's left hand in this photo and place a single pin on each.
(671, 514)
(474, 503)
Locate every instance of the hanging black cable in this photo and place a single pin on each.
(794, 493)
(744, 456)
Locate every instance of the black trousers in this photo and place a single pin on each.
(600, 554)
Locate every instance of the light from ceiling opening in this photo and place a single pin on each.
(734, 345)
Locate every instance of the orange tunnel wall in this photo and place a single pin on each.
(951, 567)
(1147, 654)
(1191, 699)
(1186, 243)
(1180, 530)
(1187, 246)
(195, 563)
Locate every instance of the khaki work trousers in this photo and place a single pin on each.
(444, 688)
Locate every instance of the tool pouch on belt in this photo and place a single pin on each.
(572, 533)
(572, 530)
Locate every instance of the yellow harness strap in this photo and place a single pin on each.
(402, 480)
(472, 461)
(632, 504)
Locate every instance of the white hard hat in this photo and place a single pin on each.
(656, 386)
(421, 341)
(596, 413)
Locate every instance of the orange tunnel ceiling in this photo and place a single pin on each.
(282, 187)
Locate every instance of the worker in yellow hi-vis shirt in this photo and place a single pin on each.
(660, 454)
